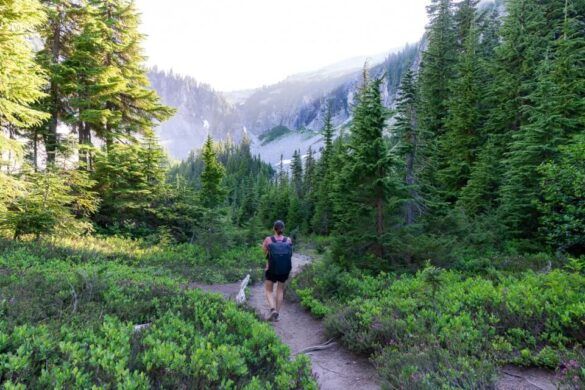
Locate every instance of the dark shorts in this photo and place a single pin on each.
(275, 278)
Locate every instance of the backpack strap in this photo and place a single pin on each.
(273, 239)
(284, 238)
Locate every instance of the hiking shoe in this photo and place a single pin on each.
(275, 316)
(272, 316)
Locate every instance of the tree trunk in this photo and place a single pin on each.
(410, 176)
(51, 136)
(35, 149)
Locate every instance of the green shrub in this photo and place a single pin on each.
(182, 260)
(67, 321)
(443, 328)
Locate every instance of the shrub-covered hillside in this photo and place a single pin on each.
(447, 329)
(69, 312)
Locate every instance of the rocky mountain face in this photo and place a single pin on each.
(298, 104)
(200, 111)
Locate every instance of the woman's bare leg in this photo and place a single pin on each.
(269, 292)
(279, 295)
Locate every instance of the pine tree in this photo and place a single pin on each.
(212, 192)
(128, 187)
(135, 108)
(457, 147)
(323, 218)
(54, 201)
(512, 73)
(465, 18)
(555, 112)
(309, 173)
(296, 168)
(57, 33)
(93, 83)
(282, 173)
(364, 185)
(248, 205)
(407, 133)
(437, 66)
(21, 79)
(436, 74)
(310, 185)
(562, 206)
(327, 140)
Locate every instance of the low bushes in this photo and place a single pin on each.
(445, 329)
(184, 260)
(70, 324)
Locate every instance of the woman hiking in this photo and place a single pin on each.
(278, 250)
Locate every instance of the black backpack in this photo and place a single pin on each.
(280, 256)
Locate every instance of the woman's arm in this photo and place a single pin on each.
(265, 244)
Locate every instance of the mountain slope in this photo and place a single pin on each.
(297, 103)
(200, 111)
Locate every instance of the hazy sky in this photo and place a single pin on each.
(238, 44)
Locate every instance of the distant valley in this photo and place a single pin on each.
(279, 118)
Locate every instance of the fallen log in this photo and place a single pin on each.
(329, 343)
(141, 327)
(241, 296)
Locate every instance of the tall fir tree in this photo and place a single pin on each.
(408, 138)
(296, 168)
(323, 218)
(436, 74)
(555, 112)
(21, 79)
(457, 147)
(62, 25)
(437, 66)
(212, 192)
(364, 184)
(512, 73)
(135, 107)
(21, 82)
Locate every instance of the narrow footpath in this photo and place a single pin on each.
(334, 367)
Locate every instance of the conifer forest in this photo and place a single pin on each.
(445, 231)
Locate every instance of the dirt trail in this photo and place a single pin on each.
(338, 369)
(335, 368)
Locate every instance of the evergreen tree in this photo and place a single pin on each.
(465, 18)
(294, 216)
(62, 25)
(327, 141)
(323, 218)
(92, 82)
(248, 205)
(555, 112)
(364, 186)
(437, 66)
(562, 207)
(407, 133)
(21, 79)
(212, 192)
(128, 187)
(296, 168)
(135, 108)
(436, 74)
(282, 174)
(310, 185)
(54, 201)
(457, 147)
(309, 173)
(513, 71)
(21, 82)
